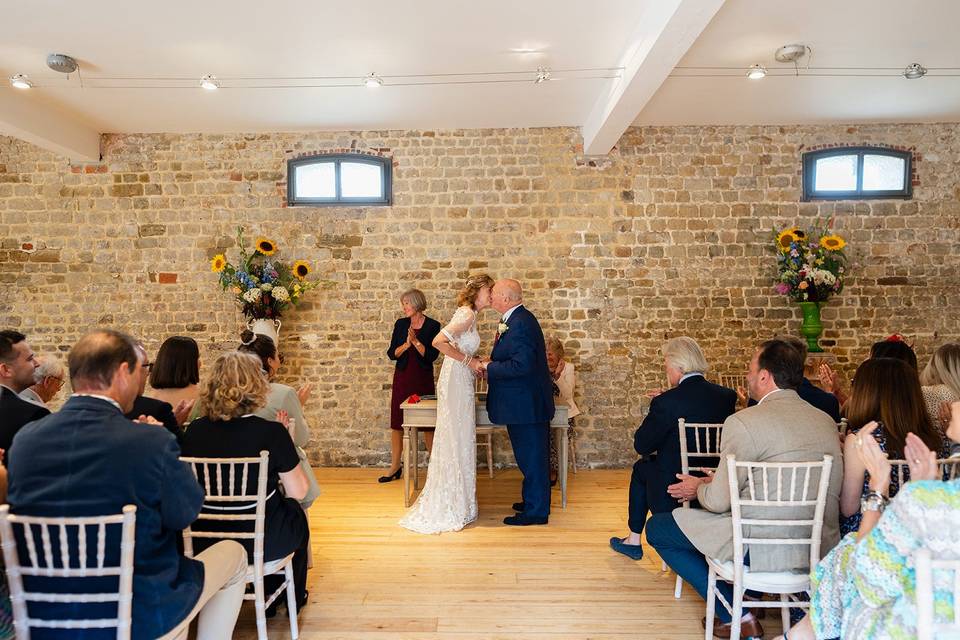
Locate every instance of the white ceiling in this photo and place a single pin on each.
(246, 38)
(848, 33)
(258, 39)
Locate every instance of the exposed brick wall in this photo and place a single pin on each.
(667, 235)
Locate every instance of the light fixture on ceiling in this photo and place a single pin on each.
(756, 71)
(372, 80)
(20, 81)
(62, 63)
(791, 52)
(209, 82)
(914, 71)
(543, 74)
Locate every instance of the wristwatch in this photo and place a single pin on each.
(873, 501)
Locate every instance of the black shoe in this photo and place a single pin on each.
(521, 520)
(394, 476)
(553, 482)
(519, 507)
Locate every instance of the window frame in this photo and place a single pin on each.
(386, 172)
(809, 174)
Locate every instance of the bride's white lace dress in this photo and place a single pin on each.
(448, 501)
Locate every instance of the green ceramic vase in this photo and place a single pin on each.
(811, 328)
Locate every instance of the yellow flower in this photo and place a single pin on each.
(787, 236)
(266, 246)
(218, 263)
(833, 243)
(301, 269)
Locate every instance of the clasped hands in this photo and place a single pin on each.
(686, 489)
(479, 366)
(920, 460)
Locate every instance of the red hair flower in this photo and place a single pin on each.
(414, 399)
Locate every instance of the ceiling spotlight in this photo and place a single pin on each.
(372, 80)
(210, 83)
(914, 71)
(756, 71)
(20, 81)
(543, 74)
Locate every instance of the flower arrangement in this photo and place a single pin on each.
(262, 285)
(812, 265)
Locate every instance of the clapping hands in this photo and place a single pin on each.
(921, 461)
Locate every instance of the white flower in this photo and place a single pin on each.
(252, 295)
(281, 294)
(502, 328)
(266, 286)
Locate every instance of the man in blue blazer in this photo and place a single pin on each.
(520, 395)
(657, 441)
(89, 460)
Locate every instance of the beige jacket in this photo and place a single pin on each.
(782, 428)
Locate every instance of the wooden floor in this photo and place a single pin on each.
(373, 579)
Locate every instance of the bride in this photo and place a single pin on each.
(448, 501)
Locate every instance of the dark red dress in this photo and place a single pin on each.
(413, 373)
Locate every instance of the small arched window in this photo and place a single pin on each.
(339, 179)
(857, 173)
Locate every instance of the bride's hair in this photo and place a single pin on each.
(468, 295)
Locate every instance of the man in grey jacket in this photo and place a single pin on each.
(780, 428)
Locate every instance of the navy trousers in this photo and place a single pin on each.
(531, 448)
(648, 493)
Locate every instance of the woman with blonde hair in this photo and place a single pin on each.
(448, 501)
(411, 347)
(941, 382)
(234, 391)
(564, 380)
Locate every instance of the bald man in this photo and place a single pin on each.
(520, 395)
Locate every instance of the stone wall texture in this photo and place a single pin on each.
(668, 235)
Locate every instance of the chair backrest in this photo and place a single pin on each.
(481, 385)
(733, 380)
(842, 427)
(781, 493)
(75, 540)
(230, 497)
(949, 470)
(705, 442)
(925, 565)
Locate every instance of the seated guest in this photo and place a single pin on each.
(175, 375)
(89, 460)
(891, 347)
(780, 428)
(941, 381)
(234, 391)
(657, 440)
(17, 364)
(6, 610)
(564, 382)
(48, 379)
(866, 586)
(145, 407)
(872, 398)
(285, 399)
(823, 400)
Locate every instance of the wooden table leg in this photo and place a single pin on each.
(564, 455)
(416, 459)
(406, 463)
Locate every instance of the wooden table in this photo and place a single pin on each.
(423, 415)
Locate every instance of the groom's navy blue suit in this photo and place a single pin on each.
(520, 395)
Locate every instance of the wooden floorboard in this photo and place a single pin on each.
(373, 579)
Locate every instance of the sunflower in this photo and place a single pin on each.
(266, 246)
(218, 263)
(833, 243)
(301, 269)
(787, 236)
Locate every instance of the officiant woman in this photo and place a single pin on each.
(412, 348)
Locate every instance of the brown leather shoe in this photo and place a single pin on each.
(749, 628)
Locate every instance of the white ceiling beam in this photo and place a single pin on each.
(665, 33)
(47, 127)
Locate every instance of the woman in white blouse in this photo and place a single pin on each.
(564, 381)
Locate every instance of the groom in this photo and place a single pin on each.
(520, 395)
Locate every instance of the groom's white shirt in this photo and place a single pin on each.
(506, 316)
